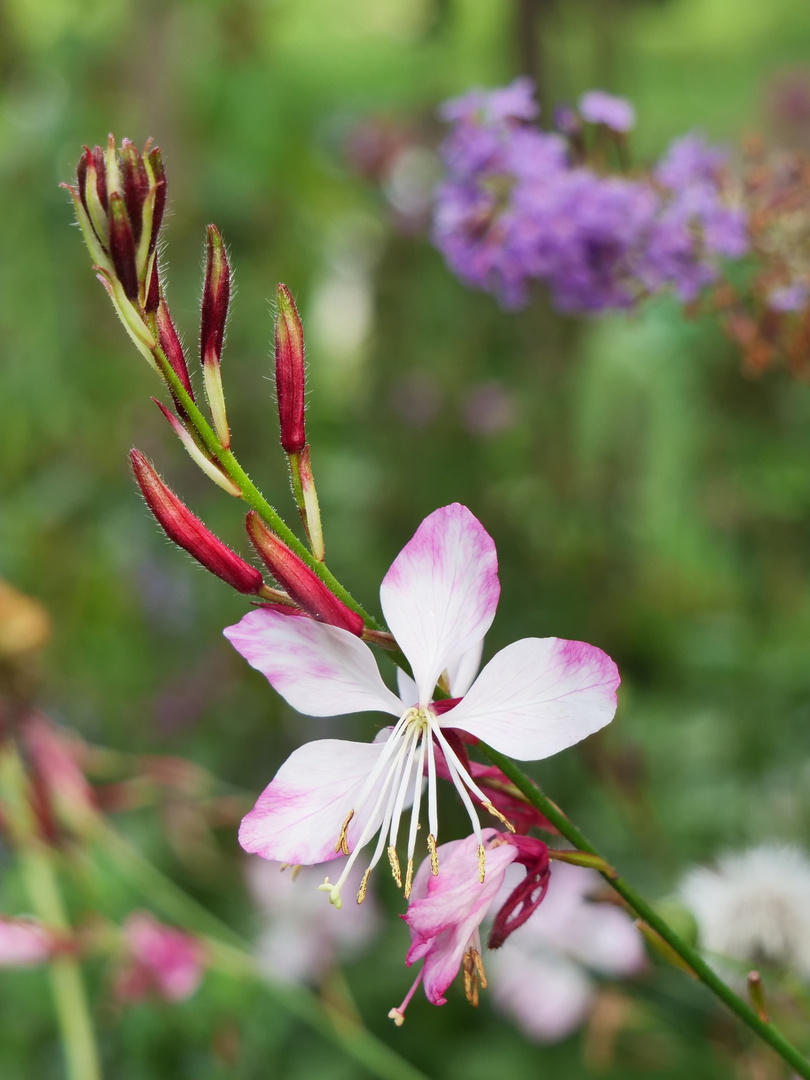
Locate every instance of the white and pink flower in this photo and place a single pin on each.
(160, 960)
(533, 699)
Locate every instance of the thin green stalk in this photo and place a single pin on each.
(251, 494)
(39, 874)
(230, 953)
(765, 1029)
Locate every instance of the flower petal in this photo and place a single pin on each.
(320, 670)
(547, 995)
(538, 696)
(298, 817)
(440, 595)
(461, 672)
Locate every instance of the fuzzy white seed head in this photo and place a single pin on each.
(754, 906)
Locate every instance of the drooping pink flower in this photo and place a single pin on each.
(445, 912)
(533, 699)
(161, 960)
(25, 943)
(540, 977)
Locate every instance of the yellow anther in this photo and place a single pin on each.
(393, 859)
(296, 870)
(361, 892)
(408, 878)
(474, 976)
(482, 862)
(397, 1016)
(497, 814)
(342, 844)
(434, 855)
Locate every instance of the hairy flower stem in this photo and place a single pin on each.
(232, 955)
(39, 874)
(690, 956)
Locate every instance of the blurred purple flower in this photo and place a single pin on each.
(599, 107)
(788, 297)
(488, 409)
(514, 208)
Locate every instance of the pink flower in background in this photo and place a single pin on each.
(533, 699)
(540, 977)
(25, 943)
(300, 940)
(445, 912)
(160, 960)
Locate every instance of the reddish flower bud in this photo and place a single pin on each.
(122, 246)
(170, 343)
(189, 533)
(290, 373)
(136, 185)
(214, 315)
(302, 584)
(154, 160)
(216, 294)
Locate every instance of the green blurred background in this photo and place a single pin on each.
(643, 494)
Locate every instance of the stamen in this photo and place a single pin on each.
(482, 862)
(408, 878)
(418, 785)
(361, 892)
(296, 870)
(434, 855)
(497, 814)
(393, 859)
(342, 844)
(433, 811)
(397, 1016)
(474, 976)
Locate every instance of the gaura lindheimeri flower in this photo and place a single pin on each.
(533, 699)
(445, 912)
(160, 959)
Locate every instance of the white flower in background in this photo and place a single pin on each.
(541, 977)
(302, 937)
(754, 906)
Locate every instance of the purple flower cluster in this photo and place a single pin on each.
(516, 206)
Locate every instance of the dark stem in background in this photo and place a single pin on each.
(531, 17)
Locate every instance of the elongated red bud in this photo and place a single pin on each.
(189, 533)
(290, 372)
(214, 315)
(170, 343)
(302, 584)
(216, 295)
(154, 163)
(136, 185)
(122, 246)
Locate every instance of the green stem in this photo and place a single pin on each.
(690, 956)
(251, 494)
(231, 954)
(39, 874)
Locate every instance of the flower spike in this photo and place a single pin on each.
(189, 533)
(214, 315)
(305, 587)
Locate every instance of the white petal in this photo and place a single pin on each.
(538, 696)
(320, 670)
(298, 817)
(440, 595)
(408, 694)
(461, 672)
(547, 995)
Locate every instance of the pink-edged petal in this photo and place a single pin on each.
(538, 696)
(297, 818)
(440, 595)
(320, 670)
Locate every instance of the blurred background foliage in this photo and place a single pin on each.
(643, 494)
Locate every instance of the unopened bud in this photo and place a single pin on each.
(301, 583)
(189, 533)
(214, 315)
(170, 343)
(306, 496)
(290, 372)
(120, 197)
